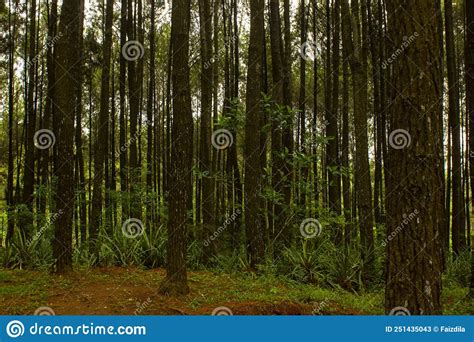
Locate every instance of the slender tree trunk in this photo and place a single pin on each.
(100, 151)
(11, 108)
(469, 64)
(181, 153)
(377, 110)
(346, 182)
(26, 224)
(358, 62)
(279, 225)
(82, 214)
(287, 130)
(122, 122)
(134, 91)
(151, 202)
(66, 102)
(303, 172)
(315, 106)
(207, 203)
(458, 214)
(253, 123)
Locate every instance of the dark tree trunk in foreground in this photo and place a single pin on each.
(181, 153)
(414, 254)
(253, 122)
(66, 102)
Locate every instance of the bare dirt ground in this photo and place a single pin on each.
(119, 291)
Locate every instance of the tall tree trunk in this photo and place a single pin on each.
(134, 100)
(377, 110)
(458, 214)
(346, 182)
(253, 123)
(315, 106)
(279, 225)
(287, 131)
(358, 62)
(122, 122)
(207, 203)
(100, 151)
(26, 224)
(11, 108)
(66, 102)
(469, 64)
(414, 258)
(303, 172)
(181, 153)
(151, 201)
(82, 214)
(332, 129)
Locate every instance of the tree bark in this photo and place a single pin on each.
(66, 102)
(414, 258)
(100, 151)
(253, 123)
(469, 64)
(458, 213)
(181, 153)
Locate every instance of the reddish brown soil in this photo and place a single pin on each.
(118, 291)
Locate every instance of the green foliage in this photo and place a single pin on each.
(343, 267)
(458, 269)
(303, 262)
(146, 250)
(33, 253)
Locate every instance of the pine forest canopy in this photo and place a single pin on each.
(329, 142)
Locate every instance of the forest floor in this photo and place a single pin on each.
(120, 291)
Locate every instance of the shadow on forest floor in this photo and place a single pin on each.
(120, 291)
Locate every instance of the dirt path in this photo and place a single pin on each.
(118, 291)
